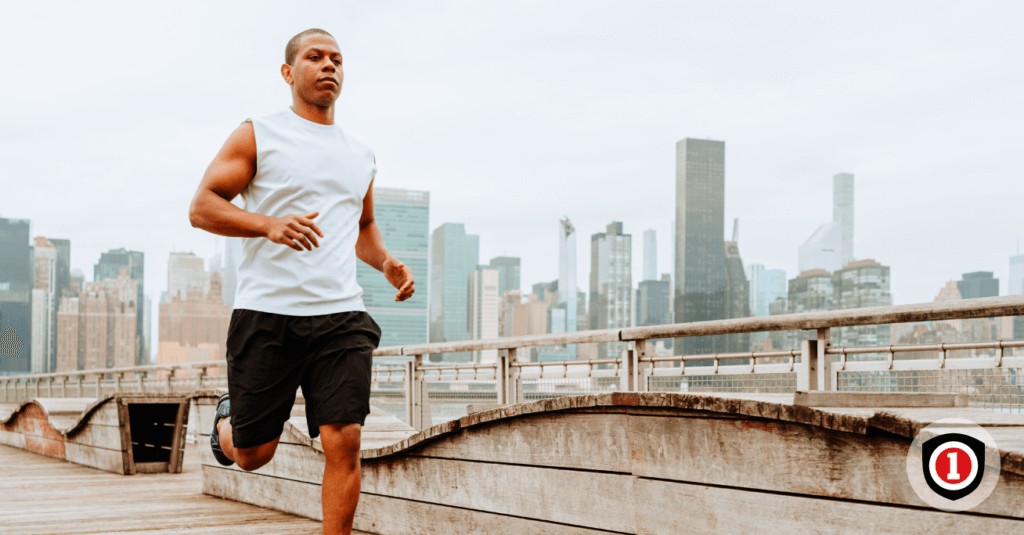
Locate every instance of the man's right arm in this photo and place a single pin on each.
(228, 174)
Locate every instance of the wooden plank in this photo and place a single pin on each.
(128, 457)
(665, 507)
(291, 461)
(109, 460)
(12, 438)
(384, 515)
(909, 422)
(294, 497)
(583, 441)
(101, 436)
(879, 399)
(178, 440)
(105, 414)
(597, 500)
(152, 468)
(791, 458)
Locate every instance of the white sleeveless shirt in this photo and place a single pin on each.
(301, 167)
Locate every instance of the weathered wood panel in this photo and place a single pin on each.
(291, 461)
(589, 499)
(281, 494)
(791, 458)
(109, 460)
(100, 436)
(825, 398)
(392, 516)
(670, 508)
(583, 441)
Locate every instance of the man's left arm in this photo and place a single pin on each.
(370, 248)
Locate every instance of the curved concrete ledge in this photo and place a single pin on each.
(98, 432)
(644, 463)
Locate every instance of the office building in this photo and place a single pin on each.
(1017, 288)
(109, 267)
(453, 254)
(978, 284)
(700, 292)
(403, 219)
(483, 310)
(97, 328)
(652, 298)
(194, 325)
(861, 284)
(650, 264)
(62, 280)
(737, 298)
(43, 304)
(508, 273)
(611, 285)
(16, 266)
(766, 285)
(842, 213)
(186, 272)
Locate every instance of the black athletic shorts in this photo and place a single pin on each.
(271, 355)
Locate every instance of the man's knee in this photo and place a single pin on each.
(253, 458)
(341, 443)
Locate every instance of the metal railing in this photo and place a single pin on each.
(437, 392)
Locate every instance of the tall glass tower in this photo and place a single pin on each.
(402, 216)
(453, 254)
(842, 213)
(567, 278)
(700, 266)
(16, 259)
(611, 284)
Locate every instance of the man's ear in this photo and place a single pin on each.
(286, 73)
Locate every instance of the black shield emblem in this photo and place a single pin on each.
(928, 449)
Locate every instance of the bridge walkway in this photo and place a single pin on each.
(40, 495)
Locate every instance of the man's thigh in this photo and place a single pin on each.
(336, 384)
(265, 367)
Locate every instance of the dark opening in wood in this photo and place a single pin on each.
(152, 430)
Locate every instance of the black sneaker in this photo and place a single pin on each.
(223, 411)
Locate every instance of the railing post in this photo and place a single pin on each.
(627, 383)
(64, 386)
(807, 369)
(824, 360)
(117, 381)
(81, 385)
(410, 392)
(142, 381)
(170, 376)
(200, 375)
(418, 388)
(639, 352)
(99, 385)
(501, 376)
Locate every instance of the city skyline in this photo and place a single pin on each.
(607, 153)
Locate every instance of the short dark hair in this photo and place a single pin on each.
(292, 48)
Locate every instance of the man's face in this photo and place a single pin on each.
(316, 75)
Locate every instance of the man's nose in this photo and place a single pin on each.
(329, 66)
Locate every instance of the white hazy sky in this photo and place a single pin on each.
(515, 114)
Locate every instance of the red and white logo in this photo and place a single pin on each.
(947, 464)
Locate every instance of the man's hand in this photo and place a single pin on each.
(296, 231)
(400, 276)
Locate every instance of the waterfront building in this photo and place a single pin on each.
(194, 320)
(97, 328)
(978, 284)
(861, 284)
(483, 310)
(16, 266)
(508, 273)
(43, 304)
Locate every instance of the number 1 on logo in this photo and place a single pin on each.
(952, 466)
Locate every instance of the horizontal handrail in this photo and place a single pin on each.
(964, 309)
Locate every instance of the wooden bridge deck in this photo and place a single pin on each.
(40, 495)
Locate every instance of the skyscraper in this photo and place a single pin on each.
(652, 302)
(842, 213)
(109, 267)
(823, 250)
(861, 284)
(567, 287)
(978, 284)
(15, 296)
(766, 285)
(737, 292)
(63, 285)
(482, 305)
(1016, 275)
(508, 273)
(650, 255)
(453, 254)
(700, 266)
(403, 218)
(611, 285)
(186, 272)
(43, 305)
(194, 326)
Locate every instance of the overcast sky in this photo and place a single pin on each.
(515, 114)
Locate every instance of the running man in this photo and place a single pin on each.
(298, 319)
